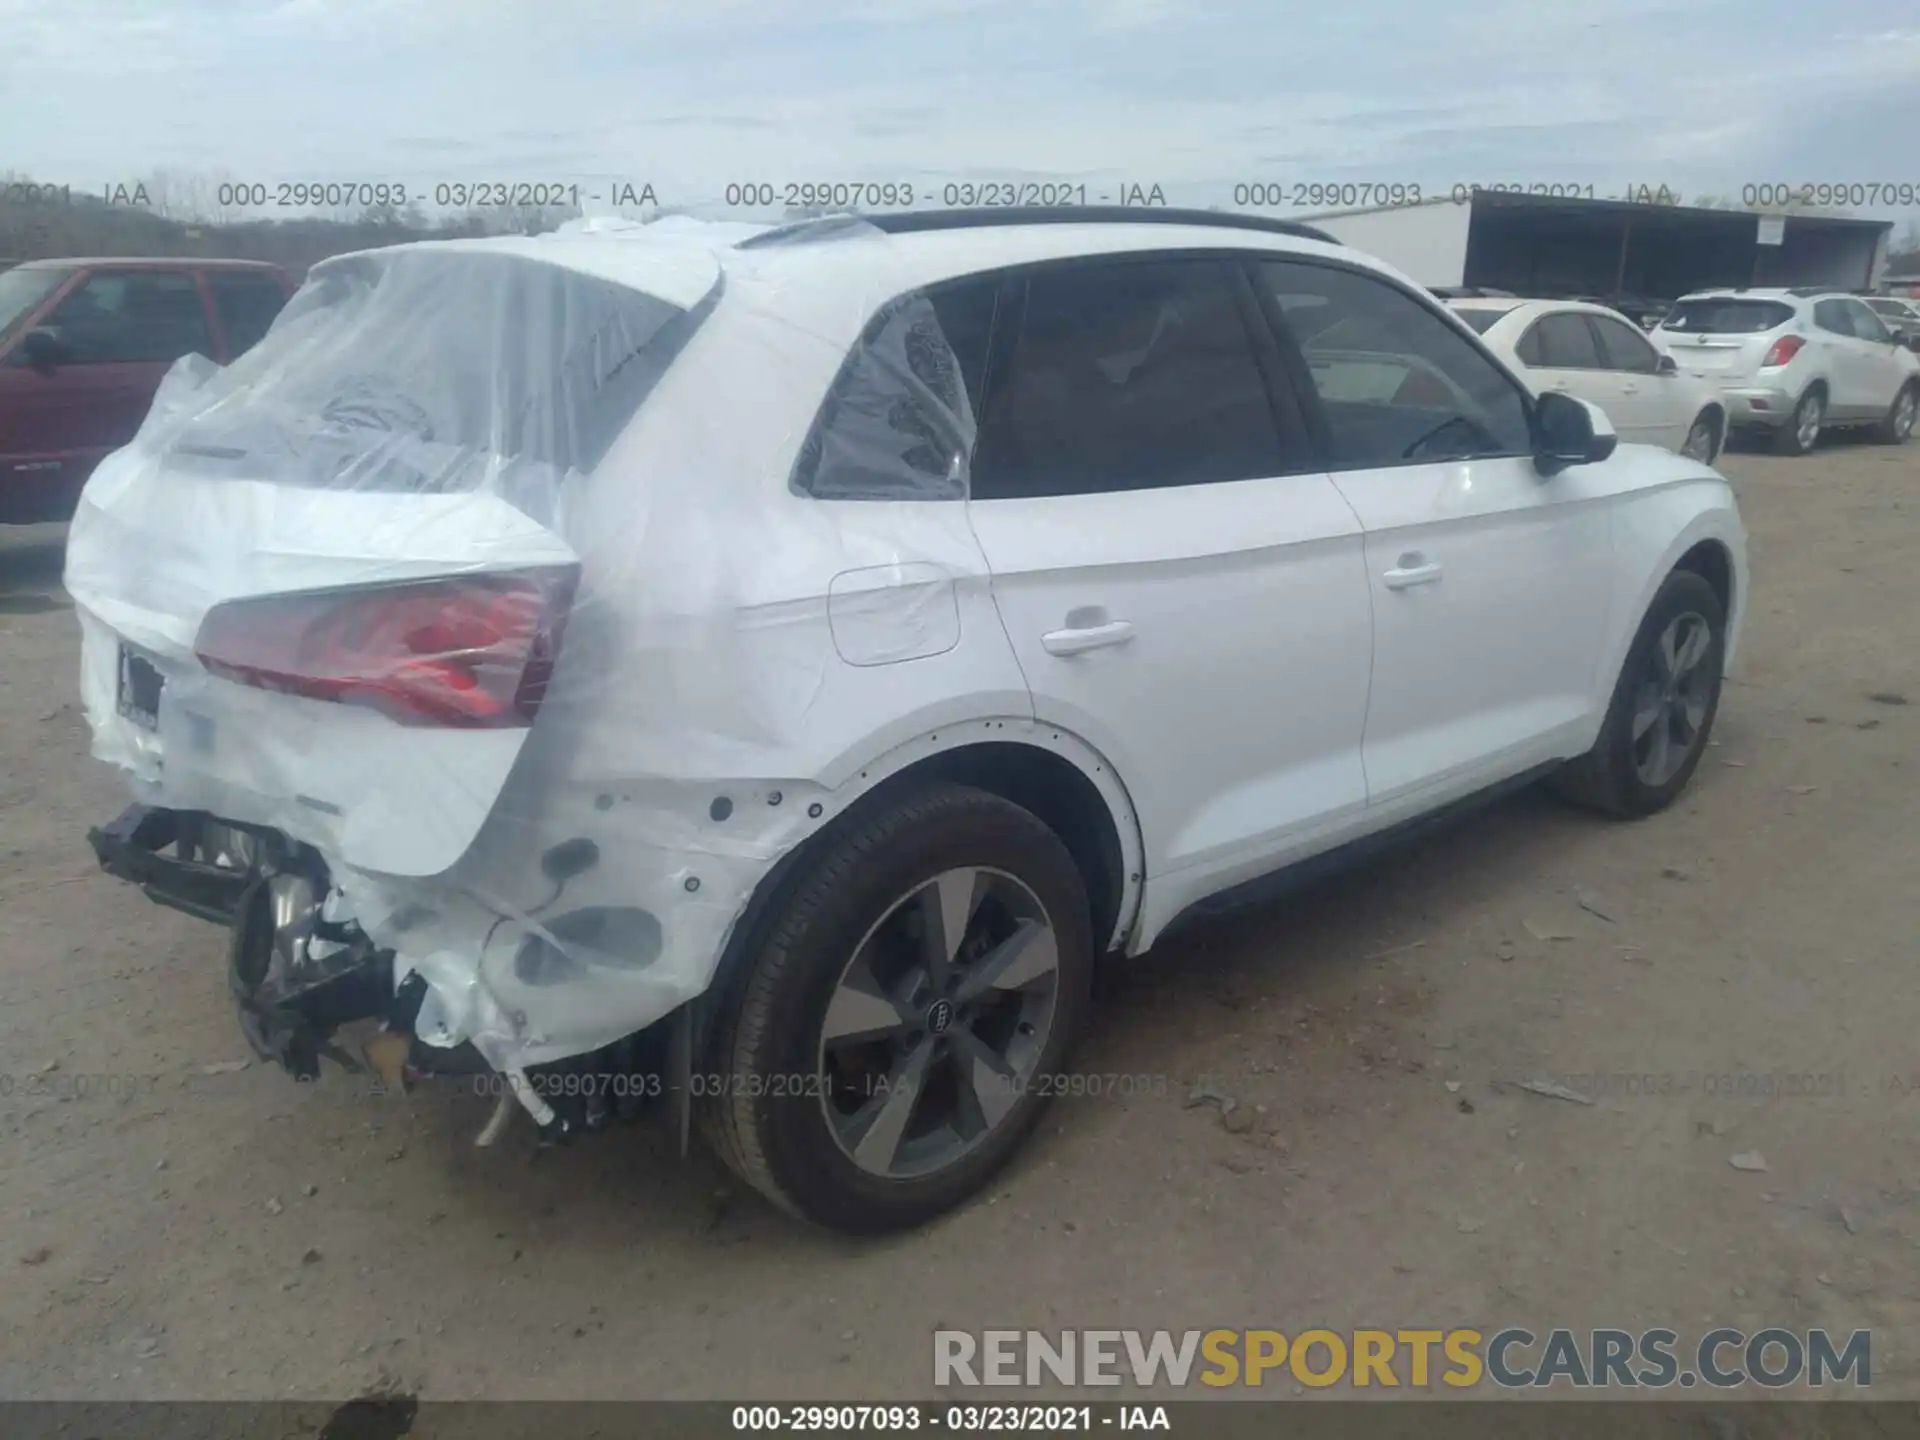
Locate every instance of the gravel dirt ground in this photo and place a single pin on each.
(202, 1229)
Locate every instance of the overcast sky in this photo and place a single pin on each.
(689, 95)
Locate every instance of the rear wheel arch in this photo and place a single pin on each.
(1067, 800)
(1044, 769)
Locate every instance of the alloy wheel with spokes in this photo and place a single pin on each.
(912, 985)
(1671, 704)
(1663, 705)
(938, 1022)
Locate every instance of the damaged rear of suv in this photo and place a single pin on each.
(473, 660)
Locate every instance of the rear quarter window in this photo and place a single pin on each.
(899, 422)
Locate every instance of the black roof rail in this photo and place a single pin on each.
(913, 222)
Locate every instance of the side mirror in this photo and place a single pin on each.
(1665, 366)
(44, 348)
(1567, 431)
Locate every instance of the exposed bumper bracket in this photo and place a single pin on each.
(130, 849)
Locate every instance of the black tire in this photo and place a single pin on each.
(1786, 440)
(1606, 777)
(1896, 426)
(1717, 441)
(776, 1135)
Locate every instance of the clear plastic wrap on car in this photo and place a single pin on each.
(526, 580)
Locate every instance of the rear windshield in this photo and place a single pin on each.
(1727, 317)
(1481, 320)
(436, 371)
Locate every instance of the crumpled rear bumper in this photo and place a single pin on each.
(289, 1015)
(131, 848)
(298, 977)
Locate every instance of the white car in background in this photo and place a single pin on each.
(1598, 355)
(1796, 362)
(1900, 316)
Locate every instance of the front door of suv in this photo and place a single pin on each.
(1183, 586)
(1491, 585)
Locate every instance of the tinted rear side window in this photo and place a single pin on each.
(1124, 376)
(1727, 317)
(246, 305)
(1563, 342)
(1833, 316)
(898, 423)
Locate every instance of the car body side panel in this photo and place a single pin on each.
(1234, 709)
(1484, 669)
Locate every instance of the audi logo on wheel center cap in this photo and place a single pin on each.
(940, 1017)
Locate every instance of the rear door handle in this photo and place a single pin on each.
(1091, 637)
(1412, 570)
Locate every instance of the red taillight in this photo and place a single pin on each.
(474, 651)
(1782, 350)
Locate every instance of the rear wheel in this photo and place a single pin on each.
(1898, 424)
(1662, 709)
(1802, 430)
(891, 1049)
(1703, 438)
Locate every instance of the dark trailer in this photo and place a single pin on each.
(1552, 246)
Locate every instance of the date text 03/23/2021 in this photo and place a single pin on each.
(959, 1419)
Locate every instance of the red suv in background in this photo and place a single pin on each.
(83, 347)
